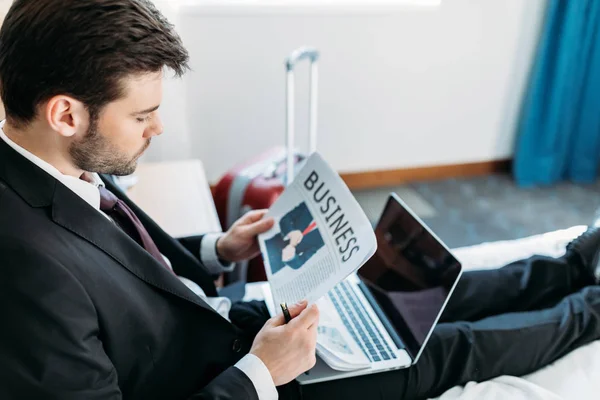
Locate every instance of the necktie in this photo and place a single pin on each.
(309, 228)
(129, 222)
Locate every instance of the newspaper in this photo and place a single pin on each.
(321, 235)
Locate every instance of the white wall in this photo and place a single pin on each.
(4, 7)
(401, 88)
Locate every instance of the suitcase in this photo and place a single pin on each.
(256, 184)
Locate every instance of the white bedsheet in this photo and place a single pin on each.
(575, 376)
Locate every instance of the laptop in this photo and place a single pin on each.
(393, 302)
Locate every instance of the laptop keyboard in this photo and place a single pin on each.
(359, 323)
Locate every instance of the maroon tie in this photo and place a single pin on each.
(129, 222)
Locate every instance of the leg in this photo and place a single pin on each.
(249, 316)
(525, 285)
(510, 344)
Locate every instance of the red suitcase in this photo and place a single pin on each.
(257, 183)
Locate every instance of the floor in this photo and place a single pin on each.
(469, 211)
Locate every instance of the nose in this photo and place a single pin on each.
(156, 128)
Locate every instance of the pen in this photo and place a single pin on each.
(286, 312)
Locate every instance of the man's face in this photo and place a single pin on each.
(122, 131)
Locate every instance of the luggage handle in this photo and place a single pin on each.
(291, 61)
(299, 55)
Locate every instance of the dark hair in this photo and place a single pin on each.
(80, 48)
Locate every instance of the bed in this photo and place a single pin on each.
(575, 376)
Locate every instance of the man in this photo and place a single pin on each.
(297, 241)
(99, 303)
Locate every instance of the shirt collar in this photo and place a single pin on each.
(88, 191)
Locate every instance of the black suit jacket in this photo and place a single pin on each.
(89, 314)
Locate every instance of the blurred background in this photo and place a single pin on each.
(480, 114)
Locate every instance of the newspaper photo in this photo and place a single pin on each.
(320, 236)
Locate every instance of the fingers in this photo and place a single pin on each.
(253, 216)
(295, 237)
(253, 223)
(307, 318)
(294, 310)
(259, 227)
(275, 321)
(288, 253)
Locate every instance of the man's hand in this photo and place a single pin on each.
(294, 237)
(288, 350)
(239, 242)
(288, 253)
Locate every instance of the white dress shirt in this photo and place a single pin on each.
(251, 365)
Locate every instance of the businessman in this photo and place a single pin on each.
(296, 242)
(97, 302)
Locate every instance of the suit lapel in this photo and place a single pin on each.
(39, 189)
(184, 263)
(74, 214)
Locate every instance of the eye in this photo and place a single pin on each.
(142, 120)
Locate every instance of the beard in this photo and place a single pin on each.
(94, 153)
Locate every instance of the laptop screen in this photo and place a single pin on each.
(410, 276)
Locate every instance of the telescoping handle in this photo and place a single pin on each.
(291, 61)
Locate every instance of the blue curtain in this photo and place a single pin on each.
(559, 131)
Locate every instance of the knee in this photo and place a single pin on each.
(591, 293)
(249, 316)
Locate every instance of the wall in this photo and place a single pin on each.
(400, 87)
(4, 6)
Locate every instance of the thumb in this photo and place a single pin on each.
(294, 309)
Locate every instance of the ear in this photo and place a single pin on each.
(66, 115)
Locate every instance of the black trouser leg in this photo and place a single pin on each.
(531, 284)
(509, 344)
(525, 285)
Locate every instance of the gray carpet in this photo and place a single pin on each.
(469, 211)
